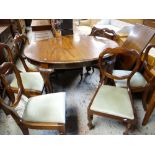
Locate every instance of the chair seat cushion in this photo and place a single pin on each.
(113, 101)
(46, 108)
(30, 80)
(137, 79)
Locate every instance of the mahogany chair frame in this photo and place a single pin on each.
(138, 42)
(5, 69)
(21, 38)
(149, 98)
(144, 69)
(28, 92)
(106, 74)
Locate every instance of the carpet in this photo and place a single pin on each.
(79, 95)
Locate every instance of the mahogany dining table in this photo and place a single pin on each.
(67, 52)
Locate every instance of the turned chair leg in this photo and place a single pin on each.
(62, 130)
(143, 101)
(149, 111)
(130, 125)
(90, 124)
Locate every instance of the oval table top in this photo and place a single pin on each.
(67, 51)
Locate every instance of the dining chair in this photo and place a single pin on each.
(32, 81)
(140, 79)
(138, 39)
(43, 112)
(124, 65)
(111, 101)
(20, 41)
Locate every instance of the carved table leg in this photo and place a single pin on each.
(89, 69)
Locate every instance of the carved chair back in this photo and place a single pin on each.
(6, 52)
(115, 52)
(145, 66)
(138, 39)
(7, 69)
(105, 32)
(19, 42)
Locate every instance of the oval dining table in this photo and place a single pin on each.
(67, 52)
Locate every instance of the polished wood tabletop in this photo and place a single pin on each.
(66, 52)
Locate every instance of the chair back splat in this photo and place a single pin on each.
(19, 42)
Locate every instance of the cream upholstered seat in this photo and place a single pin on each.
(44, 112)
(30, 80)
(137, 79)
(46, 108)
(20, 66)
(113, 101)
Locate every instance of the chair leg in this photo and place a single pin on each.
(25, 130)
(128, 127)
(90, 124)
(62, 130)
(6, 112)
(148, 113)
(144, 101)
